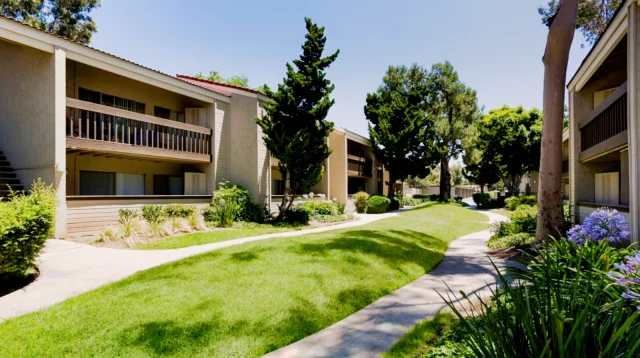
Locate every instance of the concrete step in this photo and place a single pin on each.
(6, 175)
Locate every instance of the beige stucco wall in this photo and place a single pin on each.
(264, 163)
(27, 110)
(32, 110)
(243, 144)
(77, 163)
(222, 139)
(81, 75)
(338, 166)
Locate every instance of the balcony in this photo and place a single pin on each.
(96, 128)
(359, 167)
(605, 128)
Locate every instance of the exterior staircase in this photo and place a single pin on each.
(8, 178)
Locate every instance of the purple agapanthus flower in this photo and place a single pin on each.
(628, 276)
(602, 224)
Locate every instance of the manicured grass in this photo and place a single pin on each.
(239, 230)
(247, 300)
(503, 212)
(422, 337)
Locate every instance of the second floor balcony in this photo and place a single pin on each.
(93, 127)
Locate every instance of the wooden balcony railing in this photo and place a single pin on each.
(104, 128)
(360, 168)
(606, 121)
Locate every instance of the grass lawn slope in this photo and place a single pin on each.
(247, 300)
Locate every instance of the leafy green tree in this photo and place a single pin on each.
(66, 18)
(295, 129)
(512, 136)
(486, 172)
(593, 16)
(215, 76)
(401, 132)
(455, 107)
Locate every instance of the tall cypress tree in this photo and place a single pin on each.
(295, 129)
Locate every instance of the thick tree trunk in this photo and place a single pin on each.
(445, 180)
(286, 196)
(482, 188)
(556, 57)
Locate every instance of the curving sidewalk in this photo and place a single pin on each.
(68, 269)
(375, 329)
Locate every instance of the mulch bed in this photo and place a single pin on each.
(12, 283)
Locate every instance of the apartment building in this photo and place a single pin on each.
(351, 167)
(603, 102)
(111, 134)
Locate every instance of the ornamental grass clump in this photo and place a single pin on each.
(602, 224)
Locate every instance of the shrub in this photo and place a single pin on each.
(411, 202)
(180, 210)
(318, 207)
(378, 205)
(525, 218)
(130, 228)
(562, 306)
(296, 217)
(434, 197)
(26, 222)
(458, 199)
(361, 200)
(482, 200)
(421, 197)
(394, 205)
(341, 207)
(224, 211)
(153, 214)
(602, 224)
(513, 202)
(250, 211)
(511, 240)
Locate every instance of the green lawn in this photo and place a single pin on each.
(247, 300)
(239, 230)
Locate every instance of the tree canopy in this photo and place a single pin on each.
(509, 139)
(66, 18)
(295, 129)
(215, 76)
(401, 131)
(455, 109)
(593, 16)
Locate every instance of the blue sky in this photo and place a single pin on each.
(496, 45)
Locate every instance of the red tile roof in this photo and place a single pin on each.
(214, 86)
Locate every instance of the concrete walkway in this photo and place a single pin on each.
(68, 269)
(375, 329)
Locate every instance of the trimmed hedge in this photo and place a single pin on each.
(180, 210)
(513, 202)
(482, 200)
(378, 205)
(26, 222)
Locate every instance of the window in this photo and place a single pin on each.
(106, 183)
(277, 187)
(111, 101)
(607, 188)
(169, 114)
(168, 185)
(97, 183)
(130, 184)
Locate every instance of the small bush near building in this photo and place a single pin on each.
(378, 205)
(513, 202)
(512, 240)
(458, 199)
(319, 207)
(180, 210)
(395, 204)
(250, 211)
(26, 222)
(434, 197)
(224, 211)
(483, 200)
(523, 221)
(154, 214)
(361, 199)
(296, 217)
(421, 197)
